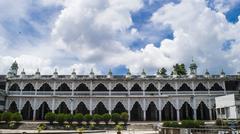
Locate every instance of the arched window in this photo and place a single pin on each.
(167, 87)
(136, 87)
(216, 87)
(27, 111)
(100, 109)
(45, 87)
(100, 87)
(152, 113)
(151, 87)
(119, 108)
(201, 87)
(186, 112)
(14, 87)
(62, 108)
(169, 112)
(82, 87)
(63, 87)
(42, 111)
(81, 108)
(184, 87)
(136, 112)
(13, 107)
(119, 87)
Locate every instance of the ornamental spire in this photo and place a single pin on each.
(109, 74)
(128, 75)
(73, 75)
(143, 75)
(91, 74)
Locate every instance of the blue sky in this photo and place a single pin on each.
(118, 34)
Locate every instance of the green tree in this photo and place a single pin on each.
(106, 118)
(163, 71)
(116, 118)
(79, 118)
(69, 118)
(60, 118)
(50, 117)
(180, 69)
(6, 116)
(97, 118)
(16, 117)
(87, 118)
(124, 117)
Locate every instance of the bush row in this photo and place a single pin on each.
(61, 118)
(184, 124)
(8, 116)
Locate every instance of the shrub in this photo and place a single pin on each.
(106, 118)
(12, 124)
(16, 117)
(41, 127)
(124, 117)
(50, 117)
(220, 122)
(170, 124)
(91, 126)
(97, 118)
(69, 118)
(189, 124)
(78, 118)
(0, 116)
(116, 118)
(60, 118)
(6, 116)
(119, 128)
(87, 118)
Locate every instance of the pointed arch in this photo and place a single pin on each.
(81, 108)
(119, 87)
(13, 107)
(151, 87)
(136, 112)
(216, 87)
(100, 87)
(29, 87)
(186, 112)
(14, 87)
(169, 112)
(27, 111)
(45, 87)
(100, 109)
(119, 108)
(184, 87)
(200, 87)
(152, 113)
(136, 87)
(167, 87)
(202, 112)
(62, 108)
(82, 87)
(63, 87)
(42, 111)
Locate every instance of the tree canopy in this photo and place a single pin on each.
(180, 69)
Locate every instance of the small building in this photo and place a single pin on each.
(228, 106)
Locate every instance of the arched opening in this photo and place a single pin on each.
(167, 87)
(29, 87)
(136, 87)
(100, 87)
(82, 87)
(14, 87)
(136, 112)
(45, 87)
(186, 112)
(81, 108)
(216, 87)
(119, 108)
(169, 112)
(13, 107)
(202, 112)
(152, 113)
(184, 87)
(62, 108)
(42, 111)
(119, 87)
(100, 109)
(151, 88)
(201, 87)
(63, 87)
(27, 111)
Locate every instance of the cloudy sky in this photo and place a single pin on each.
(119, 34)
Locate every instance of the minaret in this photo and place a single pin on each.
(222, 75)
(73, 75)
(37, 74)
(14, 68)
(143, 75)
(207, 74)
(128, 75)
(193, 69)
(91, 74)
(109, 76)
(55, 74)
(23, 74)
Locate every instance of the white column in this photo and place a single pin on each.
(129, 110)
(54, 88)
(192, 86)
(210, 108)
(208, 87)
(177, 108)
(109, 106)
(73, 85)
(20, 105)
(34, 109)
(160, 109)
(71, 107)
(194, 109)
(35, 87)
(144, 109)
(143, 88)
(176, 87)
(90, 106)
(128, 88)
(53, 104)
(224, 87)
(91, 88)
(158, 87)
(109, 88)
(21, 88)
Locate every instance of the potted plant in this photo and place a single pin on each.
(116, 117)
(106, 118)
(80, 130)
(50, 117)
(41, 127)
(124, 117)
(119, 128)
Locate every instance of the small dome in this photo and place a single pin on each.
(222, 72)
(128, 72)
(38, 72)
(143, 72)
(207, 73)
(55, 72)
(92, 73)
(193, 65)
(23, 72)
(73, 72)
(14, 65)
(110, 72)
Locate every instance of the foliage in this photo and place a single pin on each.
(78, 118)
(60, 118)
(41, 127)
(191, 123)
(116, 118)
(119, 127)
(106, 118)
(180, 69)
(67, 126)
(80, 130)
(91, 126)
(16, 117)
(163, 71)
(97, 118)
(12, 124)
(6, 116)
(87, 118)
(220, 122)
(50, 117)
(68, 118)
(124, 117)
(170, 124)
(0, 116)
